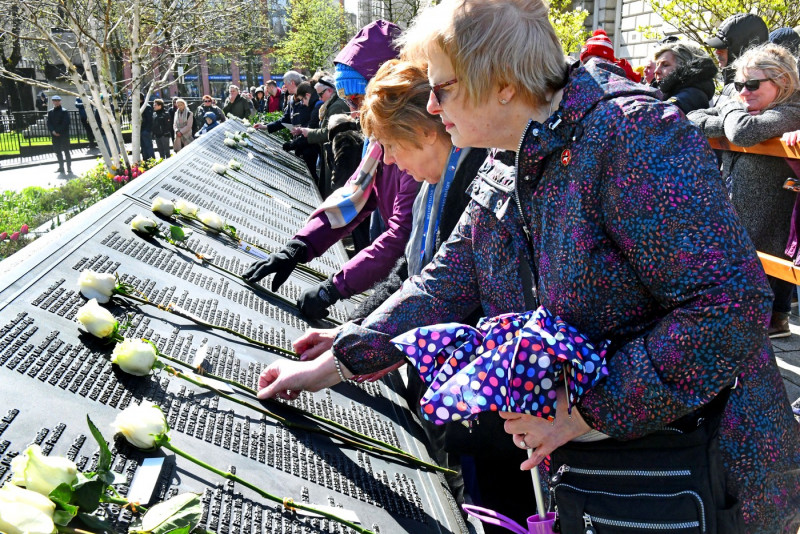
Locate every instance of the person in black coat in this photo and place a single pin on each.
(685, 75)
(146, 133)
(58, 126)
(162, 128)
(303, 113)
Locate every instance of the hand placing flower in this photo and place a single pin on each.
(134, 356)
(25, 512)
(143, 426)
(163, 206)
(186, 208)
(212, 220)
(41, 473)
(97, 320)
(144, 225)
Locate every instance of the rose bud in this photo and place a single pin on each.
(162, 205)
(41, 473)
(97, 320)
(144, 224)
(186, 207)
(99, 286)
(134, 356)
(141, 424)
(212, 220)
(23, 229)
(25, 512)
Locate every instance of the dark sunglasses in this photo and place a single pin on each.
(206, 100)
(750, 85)
(437, 89)
(320, 93)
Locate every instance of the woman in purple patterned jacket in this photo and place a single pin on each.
(615, 215)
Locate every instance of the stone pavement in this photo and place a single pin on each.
(41, 173)
(17, 174)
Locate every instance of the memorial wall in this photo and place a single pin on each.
(54, 374)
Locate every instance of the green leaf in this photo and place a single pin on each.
(104, 462)
(63, 517)
(176, 514)
(232, 230)
(88, 491)
(177, 233)
(61, 497)
(183, 530)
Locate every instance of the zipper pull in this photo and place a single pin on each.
(555, 479)
(557, 521)
(588, 527)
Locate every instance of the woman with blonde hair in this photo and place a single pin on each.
(767, 105)
(612, 218)
(182, 125)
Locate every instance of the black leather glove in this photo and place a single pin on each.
(281, 263)
(287, 146)
(315, 301)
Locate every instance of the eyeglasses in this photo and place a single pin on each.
(320, 93)
(437, 89)
(206, 100)
(750, 85)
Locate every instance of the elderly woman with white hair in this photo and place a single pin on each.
(612, 218)
(766, 105)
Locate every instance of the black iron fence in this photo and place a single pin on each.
(25, 132)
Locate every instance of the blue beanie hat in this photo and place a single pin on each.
(349, 81)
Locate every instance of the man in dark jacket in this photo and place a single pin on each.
(146, 133)
(736, 34)
(161, 128)
(58, 125)
(236, 105)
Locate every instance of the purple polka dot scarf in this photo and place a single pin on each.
(513, 362)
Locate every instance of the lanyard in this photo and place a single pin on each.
(446, 182)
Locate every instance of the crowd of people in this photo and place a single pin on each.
(506, 177)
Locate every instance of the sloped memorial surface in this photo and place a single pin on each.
(53, 374)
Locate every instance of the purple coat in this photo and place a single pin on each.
(633, 240)
(393, 196)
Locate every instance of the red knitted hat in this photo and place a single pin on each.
(598, 45)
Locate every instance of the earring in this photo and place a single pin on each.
(503, 101)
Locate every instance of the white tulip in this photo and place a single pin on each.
(141, 424)
(99, 286)
(97, 320)
(134, 356)
(163, 206)
(235, 165)
(212, 220)
(186, 207)
(219, 168)
(143, 224)
(229, 142)
(25, 512)
(41, 473)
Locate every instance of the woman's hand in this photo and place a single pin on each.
(791, 138)
(314, 342)
(287, 379)
(542, 436)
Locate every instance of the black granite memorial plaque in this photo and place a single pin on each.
(53, 374)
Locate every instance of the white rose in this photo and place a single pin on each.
(41, 473)
(97, 320)
(219, 168)
(141, 424)
(99, 286)
(163, 206)
(229, 135)
(246, 122)
(143, 224)
(25, 512)
(243, 142)
(235, 165)
(212, 220)
(134, 356)
(229, 142)
(251, 130)
(186, 207)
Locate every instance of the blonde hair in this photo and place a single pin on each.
(492, 43)
(777, 64)
(394, 105)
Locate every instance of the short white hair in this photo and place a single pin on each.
(492, 42)
(292, 76)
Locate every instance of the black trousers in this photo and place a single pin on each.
(61, 148)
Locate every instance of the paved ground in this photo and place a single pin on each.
(16, 175)
(41, 173)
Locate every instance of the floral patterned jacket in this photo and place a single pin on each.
(634, 240)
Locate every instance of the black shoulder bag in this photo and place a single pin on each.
(671, 481)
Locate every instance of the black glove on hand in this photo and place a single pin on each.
(287, 146)
(315, 301)
(281, 263)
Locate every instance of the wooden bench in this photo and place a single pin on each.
(773, 266)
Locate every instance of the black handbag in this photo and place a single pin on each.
(669, 481)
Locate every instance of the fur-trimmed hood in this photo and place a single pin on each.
(699, 73)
